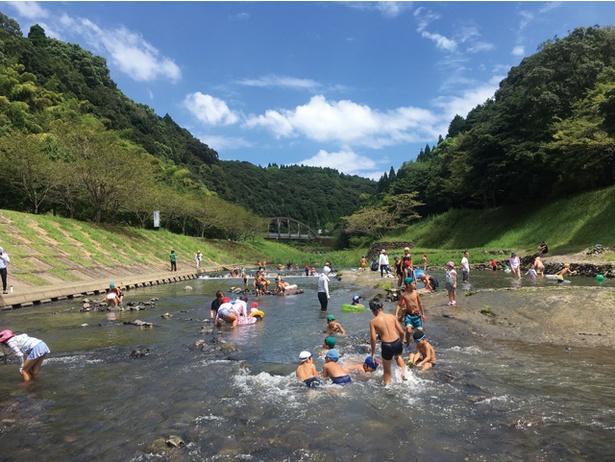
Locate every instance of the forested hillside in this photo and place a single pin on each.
(72, 142)
(548, 131)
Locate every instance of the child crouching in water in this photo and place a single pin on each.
(425, 356)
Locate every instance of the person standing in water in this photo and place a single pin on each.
(30, 351)
(323, 288)
(386, 327)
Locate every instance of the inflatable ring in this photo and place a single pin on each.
(350, 307)
(257, 314)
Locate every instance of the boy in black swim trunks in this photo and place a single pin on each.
(390, 332)
(307, 372)
(332, 369)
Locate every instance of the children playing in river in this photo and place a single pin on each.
(333, 326)
(425, 356)
(306, 372)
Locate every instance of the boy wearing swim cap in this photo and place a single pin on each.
(306, 372)
(333, 326)
(328, 344)
(386, 327)
(332, 369)
(412, 309)
(425, 356)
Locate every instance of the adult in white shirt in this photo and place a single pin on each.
(4, 259)
(383, 262)
(465, 267)
(323, 288)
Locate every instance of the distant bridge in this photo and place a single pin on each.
(289, 229)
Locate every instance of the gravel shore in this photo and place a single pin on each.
(560, 315)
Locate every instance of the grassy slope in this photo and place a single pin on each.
(45, 249)
(568, 225)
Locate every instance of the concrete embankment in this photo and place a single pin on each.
(35, 296)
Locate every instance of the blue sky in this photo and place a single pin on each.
(356, 86)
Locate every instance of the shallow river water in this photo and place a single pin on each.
(94, 402)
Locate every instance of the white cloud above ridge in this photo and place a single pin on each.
(209, 110)
(451, 106)
(129, 51)
(346, 161)
(345, 122)
(518, 50)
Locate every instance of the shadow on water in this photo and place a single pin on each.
(237, 396)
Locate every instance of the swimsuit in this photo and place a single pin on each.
(312, 382)
(390, 349)
(414, 320)
(341, 380)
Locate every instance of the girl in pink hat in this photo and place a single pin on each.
(30, 351)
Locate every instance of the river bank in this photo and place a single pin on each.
(559, 315)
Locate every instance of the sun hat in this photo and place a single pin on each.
(418, 335)
(305, 355)
(330, 318)
(332, 354)
(330, 342)
(372, 364)
(408, 280)
(6, 335)
(407, 248)
(451, 264)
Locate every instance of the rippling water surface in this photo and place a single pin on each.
(94, 402)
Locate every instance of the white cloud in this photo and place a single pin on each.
(129, 51)
(424, 17)
(345, 161)
(519, 50)
(346, 123)
(209, 109)
(388, 9)
(441, 41)
(469, 99)
(29, 10)
(240, 16)
(224, 143)
(478, 47)
(549, 6)
(274, 81)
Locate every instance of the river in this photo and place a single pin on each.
(503, 401)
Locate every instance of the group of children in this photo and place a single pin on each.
(393, 337)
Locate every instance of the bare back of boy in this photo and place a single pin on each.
(306, 371)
